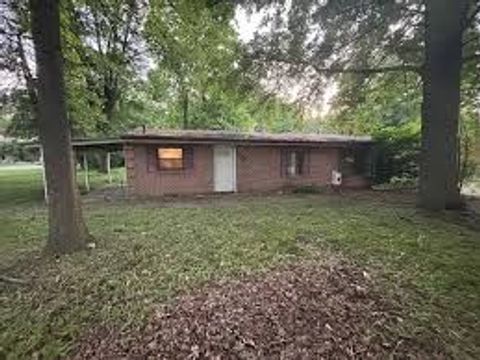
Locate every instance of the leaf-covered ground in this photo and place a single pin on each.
(304, 311)
(155, 258)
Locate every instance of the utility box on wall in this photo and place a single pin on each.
(336, 178)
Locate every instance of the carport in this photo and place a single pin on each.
(82, 147)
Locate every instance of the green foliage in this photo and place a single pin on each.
(147, 253)
(22, 123)
(15, 151)
(102, 45)
(153, 104)
(386, 107)
(83, 105)
(202, 80)
(365, 106)
(198, 71)
(195, 48)
(470, 145)
(397, 154)
(375, 51)
(470, 125)
(312, 41)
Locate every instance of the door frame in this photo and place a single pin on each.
(233, 149)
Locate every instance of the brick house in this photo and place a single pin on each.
(195, 162)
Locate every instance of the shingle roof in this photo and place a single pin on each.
(208, 136)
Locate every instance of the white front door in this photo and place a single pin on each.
(224, 168)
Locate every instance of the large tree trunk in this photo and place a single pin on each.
(67, 230)
(439, 170)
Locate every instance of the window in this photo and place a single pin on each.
(294, 163)
(170, 158)
(356, 161)
(348, 163)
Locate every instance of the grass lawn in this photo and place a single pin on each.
(147, 252)
(473, 186)
(23, 184)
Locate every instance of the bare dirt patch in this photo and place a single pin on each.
(295, 312)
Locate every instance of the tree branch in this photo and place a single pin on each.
(472, 39)
(367, 71)
(474, 57)
(27, 74)
(412, 10)
(353, 70)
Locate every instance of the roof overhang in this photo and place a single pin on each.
(251, 139)
(193, 137)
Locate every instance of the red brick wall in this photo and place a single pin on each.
(356, 182)
(148, 180)
(258, 169)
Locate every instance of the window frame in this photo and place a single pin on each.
(301, 169)
(355, 161)
(170, 169)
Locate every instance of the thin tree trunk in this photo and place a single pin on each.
(111, 99)
(465, 160)
(441, 104)
(185, 104)
(67, 230)
(29, 80)
(101, 158)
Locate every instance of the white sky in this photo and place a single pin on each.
(8, 80)
(246, 25)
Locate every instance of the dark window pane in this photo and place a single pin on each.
(300, 162)
(295, 162)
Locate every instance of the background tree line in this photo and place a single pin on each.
(175, 64)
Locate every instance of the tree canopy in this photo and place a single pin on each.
(354, 41)
(132, 63)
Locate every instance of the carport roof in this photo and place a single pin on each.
(108, 144)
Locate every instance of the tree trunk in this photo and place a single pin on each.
(185, 108)
(111, 99)
(439, 175)
(67, 230)
(101, 160)
(465, 159)
(29, 80)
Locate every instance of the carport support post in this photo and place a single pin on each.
(85, 168)
(109, 172)
(44, 176)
